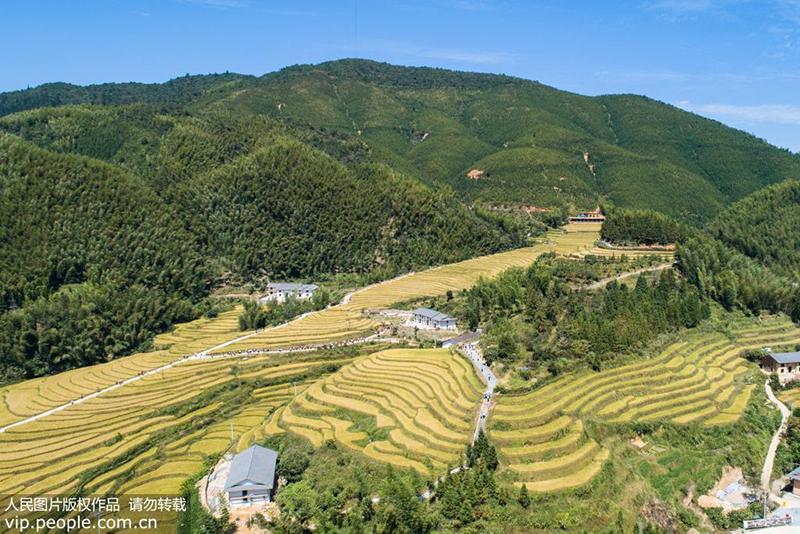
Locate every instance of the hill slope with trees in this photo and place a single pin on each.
(765, 226)
(98, 256)
(125, 204)
(534, 144)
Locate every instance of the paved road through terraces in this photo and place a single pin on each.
(473, 352)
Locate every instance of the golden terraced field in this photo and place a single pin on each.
(62, 451)
(125, 441)
(420, 404)
(347, 320)
(541, 435)
(791, 396)
(39, 395)
(56, 454)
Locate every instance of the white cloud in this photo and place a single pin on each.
(773, 113)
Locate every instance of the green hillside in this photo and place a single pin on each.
(765, 226)
(536, 145)
(124, 204)
(98, 256)
(175, 93)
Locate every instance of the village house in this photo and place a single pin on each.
(794, 480)
(282, 291)
(252, 476)
(785, 364)
(592, 216)
(425, 318)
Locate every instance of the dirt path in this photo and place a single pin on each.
(605, 281)
(766, 473)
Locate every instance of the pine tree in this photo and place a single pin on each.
(524, 499)
(490, 457)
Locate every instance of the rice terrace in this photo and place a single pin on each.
(354, 297)
(411, 408)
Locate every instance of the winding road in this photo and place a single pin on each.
(766, 473)
(626, 274)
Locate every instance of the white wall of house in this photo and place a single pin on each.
(281, 296)
(787, 372)
(421, 320)
(244, 496)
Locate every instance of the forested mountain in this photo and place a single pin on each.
(765, 226)
(534, 144)
(124, 204)
(175, 93)
(94, 259)
(97, 256)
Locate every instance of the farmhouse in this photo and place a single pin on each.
(590, 216)
(426, 318)
(785, 364)
(794, 480)
(282, 291)
(252, 476)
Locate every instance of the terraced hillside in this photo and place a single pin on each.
(148, 436)
(406, 407)
(35, 396)
(346, 319)
(32, 397)
(541, 435)
(791, 396)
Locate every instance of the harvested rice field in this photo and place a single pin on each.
(39, 395)
(701, 379)
(148, 436)
(346, 320)
(407, 407)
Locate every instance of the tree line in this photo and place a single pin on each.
(642, 227)
(532, 314)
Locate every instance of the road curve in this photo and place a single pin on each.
(766, 472)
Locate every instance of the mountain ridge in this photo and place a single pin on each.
(536, 145)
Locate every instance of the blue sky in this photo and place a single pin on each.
(734, 60)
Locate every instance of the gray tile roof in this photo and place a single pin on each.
(795, 475)
(785, 357)
(253, 468)
(432, 314)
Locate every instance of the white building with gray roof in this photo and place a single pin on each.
(284, 290)
(252, 476)
(785, 364)
(425, 318)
